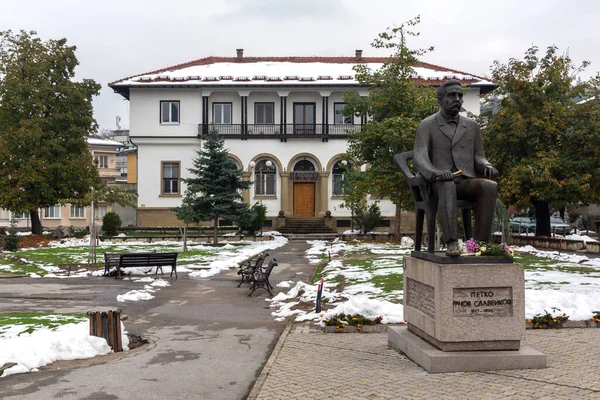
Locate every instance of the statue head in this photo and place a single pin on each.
(450, 97)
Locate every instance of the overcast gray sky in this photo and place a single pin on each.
(116, 39)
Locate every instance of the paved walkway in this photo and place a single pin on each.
(314, 365)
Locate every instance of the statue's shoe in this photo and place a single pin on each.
(453, 250)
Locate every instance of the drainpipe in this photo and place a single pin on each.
(137, 175)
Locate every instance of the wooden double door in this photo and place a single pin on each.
(304, 199)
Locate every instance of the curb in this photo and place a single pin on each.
(12, 276)
(383, 327)
(256, 388)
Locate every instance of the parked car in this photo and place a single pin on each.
(559, 227)
(522, 225)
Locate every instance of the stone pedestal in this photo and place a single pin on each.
(464, 304)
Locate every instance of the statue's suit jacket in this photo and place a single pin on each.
(438, 148)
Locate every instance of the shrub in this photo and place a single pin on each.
(11, 241)
(253, 219)
(111, 223)
(367, 218)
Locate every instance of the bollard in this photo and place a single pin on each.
(319, 294)
(107, 325)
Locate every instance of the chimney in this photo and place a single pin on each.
(358, 55)
(240, 53)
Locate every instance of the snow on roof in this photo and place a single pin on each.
(282, 71)
(103, 142)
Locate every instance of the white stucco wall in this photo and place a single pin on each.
(144, 112)
(150, 156)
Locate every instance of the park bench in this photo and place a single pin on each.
(260, 279)
(130, 260)
(248, 267)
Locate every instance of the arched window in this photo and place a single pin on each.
(304, 166)
(337, 173)
(265, 178)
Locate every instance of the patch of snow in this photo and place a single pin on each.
(135, 295)
(44, 346)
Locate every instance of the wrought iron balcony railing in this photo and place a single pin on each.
(280, 131)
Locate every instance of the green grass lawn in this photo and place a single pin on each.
(28, 322)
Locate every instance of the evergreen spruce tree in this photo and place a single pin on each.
(395, 106)
(213, 190)
(45, 117)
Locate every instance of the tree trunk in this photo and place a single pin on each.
(542, 218)
(185, 230)
(562, 212)
(36, 225)
(397, 224)
(216, 230)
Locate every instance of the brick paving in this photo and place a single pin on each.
(316, 365)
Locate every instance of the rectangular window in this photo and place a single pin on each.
(19, 215)
(338, 189)
(52, 212)
(265, 185)
(264, 113)
(102, 161)
(101, 212)
(340, 118)
(222, 113)
(169, 112)
(77, 212)
(170, 177)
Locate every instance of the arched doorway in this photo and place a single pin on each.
(304, 177)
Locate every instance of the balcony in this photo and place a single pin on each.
(281, 131)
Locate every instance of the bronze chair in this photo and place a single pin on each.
(426, 203)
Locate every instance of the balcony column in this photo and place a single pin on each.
(286, 193)
(244, 115)
(322, 201)
(204, 115)
(283, 94)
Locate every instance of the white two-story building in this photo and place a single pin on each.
(282, 120)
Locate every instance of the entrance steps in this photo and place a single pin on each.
(306, 225)
(303, 237)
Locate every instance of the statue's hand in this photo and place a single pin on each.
(443, 176)
(490, 172)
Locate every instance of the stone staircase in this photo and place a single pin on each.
(307, 228)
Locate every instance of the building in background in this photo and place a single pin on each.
(281, 118)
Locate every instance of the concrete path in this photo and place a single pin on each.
(315, 365)
(209, 340)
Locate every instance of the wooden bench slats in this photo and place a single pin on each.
(130, 260)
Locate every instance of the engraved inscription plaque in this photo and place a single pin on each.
(482, 302)
(421, 297)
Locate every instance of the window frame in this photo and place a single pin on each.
(264, 103)
(170, 119)
(222, 103)
(162, 179)
(99, 161)
(18, 215)
(72, 208)
(261, 179)
(46, 209)
(340, 190)
(343, 116)
(98, 214)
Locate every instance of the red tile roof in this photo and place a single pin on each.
(314, 59)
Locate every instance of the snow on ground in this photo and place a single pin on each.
(225, 260)
(44, 346)
(146, 292)
(202, 260)
(569, 282)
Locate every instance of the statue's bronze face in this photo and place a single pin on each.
(452, 100)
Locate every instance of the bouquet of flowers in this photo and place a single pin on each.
(478, 248)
